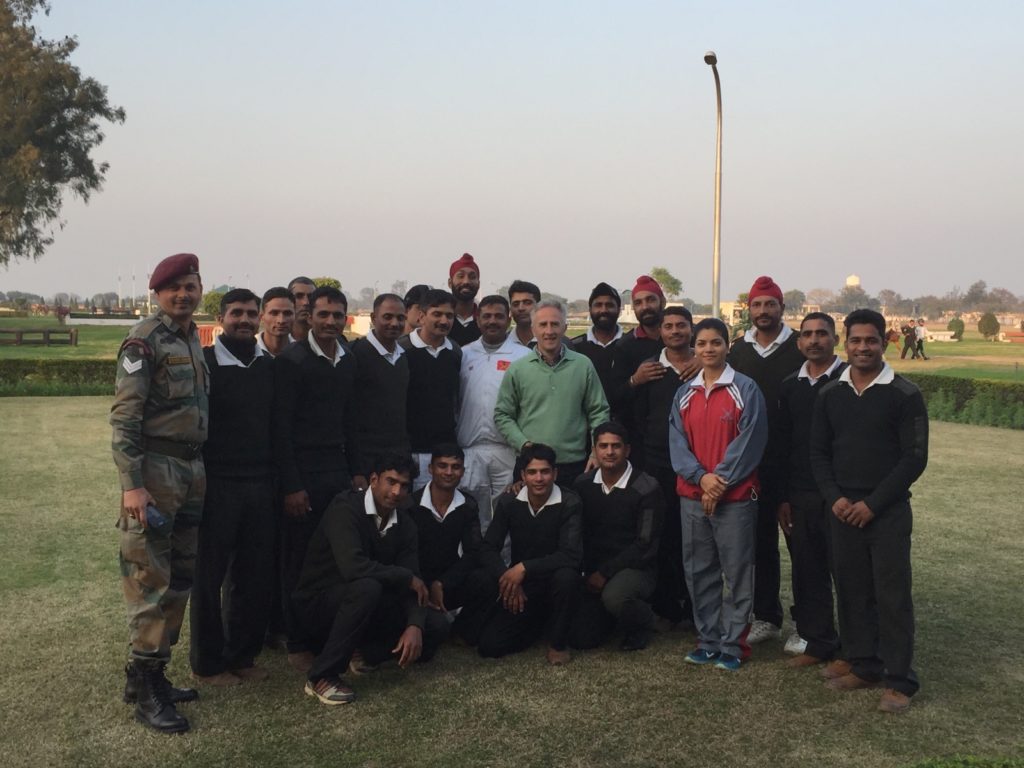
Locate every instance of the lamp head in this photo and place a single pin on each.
(710, 58)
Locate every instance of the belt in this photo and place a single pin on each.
(172, 448)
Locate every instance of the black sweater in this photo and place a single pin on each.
(621, 529)
(432, 396)
(346, 546)
(652, 403)
(871, 447)
(439, 541)
(543, 544)
(241, 408)
(629, 352)
(464, 334)
(601, 357)
(313, 414)
(379, 416)
(793, 432)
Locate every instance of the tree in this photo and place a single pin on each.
(822, 297)
(320, 282)
(956, 325)
(399, 287)
(210, 304)
(50, 126)
(669, 284)
(988, 326)
(854, 297)
(794, 299)
(975, 295)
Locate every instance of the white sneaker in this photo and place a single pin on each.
(761, 631)
(795, 645)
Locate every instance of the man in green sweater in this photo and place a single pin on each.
(552, 395)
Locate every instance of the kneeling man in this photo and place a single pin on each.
(623, 511)
(359, 588)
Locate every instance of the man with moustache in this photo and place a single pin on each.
(767, 353)
(598, 343)
(238, 530)
(301, 288)
(381, 386)
(522, 298)
(314, 442)
(160, 421)
(277, 316)
(802, 513)
(489, 459)
(464, 282)
(434, 363)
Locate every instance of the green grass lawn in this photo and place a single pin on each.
(63, 643)
(971, 358)
(94, 341)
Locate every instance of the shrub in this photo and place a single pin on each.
(972, 401)
(956, 325)
(56, 377)
(988, 326)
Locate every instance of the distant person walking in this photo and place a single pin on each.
(921, 334)
(909, 341)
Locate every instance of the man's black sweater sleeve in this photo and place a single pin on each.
(780, 440)
(456, 576)
(913, 437)
(285, 380)
(642, 553)
(570, 541)
(494, 540)
(821, 449)
(353, 562)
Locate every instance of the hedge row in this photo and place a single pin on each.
(972, 401)
(56, 377)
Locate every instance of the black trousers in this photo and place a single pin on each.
(873, 588)
(364, 615)
(322, 487)
(671, 598)
(767, 564)
(810, 551)
(623, 601)
(231, 596)
(551, 603)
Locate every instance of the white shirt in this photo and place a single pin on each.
(920, 333)
(391, 357)
(663, 359)
(339, 350)
(428, 503)
(479, 382)
(621, 483)
(593, 339)
(751, 336)
(419, 343)
(263, 346)
(224, 356)
(804, 372)
(885, 376)
(371, 509)
(554, 498)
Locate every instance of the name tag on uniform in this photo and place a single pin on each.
(503, 365)
(179, 360)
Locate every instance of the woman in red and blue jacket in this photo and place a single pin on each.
(718, 430)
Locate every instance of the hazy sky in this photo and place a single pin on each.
(561, 142)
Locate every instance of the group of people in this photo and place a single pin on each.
(452, 474)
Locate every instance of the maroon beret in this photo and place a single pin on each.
(649, 284)
(173, 266)
(465, 262)
(765, 286)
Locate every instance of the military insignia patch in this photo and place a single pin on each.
(130, 366)
(179, 360)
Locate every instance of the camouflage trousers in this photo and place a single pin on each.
(157, 570)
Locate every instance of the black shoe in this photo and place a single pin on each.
(131, 687)
(153, 706)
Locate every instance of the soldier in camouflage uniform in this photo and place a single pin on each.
(159, 417)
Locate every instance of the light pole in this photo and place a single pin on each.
(716, 264)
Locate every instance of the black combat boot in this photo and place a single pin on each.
(153, 706)
(131, 687)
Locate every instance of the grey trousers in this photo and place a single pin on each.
(717, 547)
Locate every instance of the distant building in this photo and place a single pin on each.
(853, 281)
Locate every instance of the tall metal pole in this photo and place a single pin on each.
(716, 264)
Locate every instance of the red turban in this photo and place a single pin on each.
(466, 262)
(764, 286)
(647, 283)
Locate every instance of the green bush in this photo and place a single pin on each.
(972, 401)
(56, 377)
(988, 326)
(956, 325)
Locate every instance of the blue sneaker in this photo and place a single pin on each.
(700, 656)
(727, 661)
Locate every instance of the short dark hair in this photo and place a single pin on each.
(827, 318)
(387, 297)
(711, 324)
(329, 292)
(538, 452)
(494, 299)
(402, 463)
(677, 310)
(277, 292)
(238, 296)
(521, 286)
(414, 295)
(447, 449)
(612, 428)
(301, 279)
(865, 317)
(436, 297)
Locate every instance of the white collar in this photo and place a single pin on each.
(620, 483)
(339, 349)
(594, 340)
(224, 356)
(391, 357)
(260, 345)
(663, 359)
(804, 373)
(554, 498)
(371, 510)
(751, 336)
(419, 343)
(428, 503)
(727, 378)
(885, 376)
(464, 321)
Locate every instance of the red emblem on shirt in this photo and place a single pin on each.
(503, 365)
